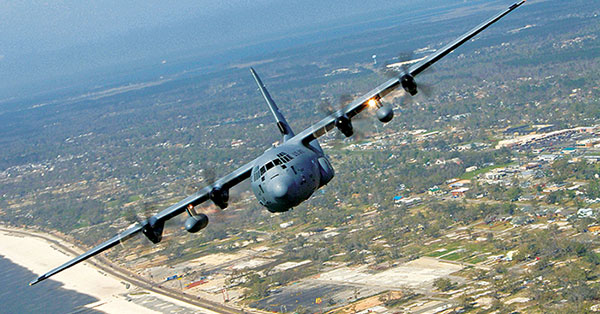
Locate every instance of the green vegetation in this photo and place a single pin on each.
(444, 284)
(96, 164)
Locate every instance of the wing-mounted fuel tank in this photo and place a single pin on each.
(326, 170)
(195, 223)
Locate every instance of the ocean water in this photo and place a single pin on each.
(16, 296)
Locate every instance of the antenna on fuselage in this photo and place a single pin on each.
(282, 124)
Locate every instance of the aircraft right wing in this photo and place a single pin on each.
(358, 105)
(96, 250)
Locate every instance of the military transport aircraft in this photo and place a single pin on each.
(284, 176)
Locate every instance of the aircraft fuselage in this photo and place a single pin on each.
(285, 176)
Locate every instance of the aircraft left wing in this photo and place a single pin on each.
(153, 226)
(433, 58)
(405, 80)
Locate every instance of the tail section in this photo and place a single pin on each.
(283, 126)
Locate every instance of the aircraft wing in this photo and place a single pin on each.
(382, 90)
(427, 62)
(318, 129)
(96, 250)
(195, 199)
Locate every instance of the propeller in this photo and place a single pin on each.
(209, 176)
(327, 107)
(140, 215)
(399, 67)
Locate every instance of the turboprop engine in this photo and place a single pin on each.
(219, 196)
(344, 124)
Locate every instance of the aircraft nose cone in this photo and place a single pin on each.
(279, 187)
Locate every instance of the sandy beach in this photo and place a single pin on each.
(39, 256)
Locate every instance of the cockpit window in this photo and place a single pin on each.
(285, 157)
(281, 160)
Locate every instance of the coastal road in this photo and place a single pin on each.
(106, 266)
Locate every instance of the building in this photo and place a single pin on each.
(460, 192)
(410, 201)
(470, 169)
(586, 213)
(435, 190)
(495, 174)
(518, 130)
(548, 157)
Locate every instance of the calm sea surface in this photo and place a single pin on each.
(16, 296)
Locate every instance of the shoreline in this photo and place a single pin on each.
(35, 251)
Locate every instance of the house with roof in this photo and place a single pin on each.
(460, 192)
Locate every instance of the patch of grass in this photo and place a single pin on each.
(436, 253)
(454, 256)
(134, 198)
(497, 226)
(476, 259)
(113, 203)
(452, 246)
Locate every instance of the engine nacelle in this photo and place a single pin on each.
(385, 114)
(409, 84)
(153, 229)
(344, 124)
(219, 196)
(196, 223)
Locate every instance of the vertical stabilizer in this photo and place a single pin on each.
(283, 126)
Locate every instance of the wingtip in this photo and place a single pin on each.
(516, 5)
(38, 279)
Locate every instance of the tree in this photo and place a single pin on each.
(466, 302)
(443, 284)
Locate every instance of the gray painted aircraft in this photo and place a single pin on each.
(287, 175)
